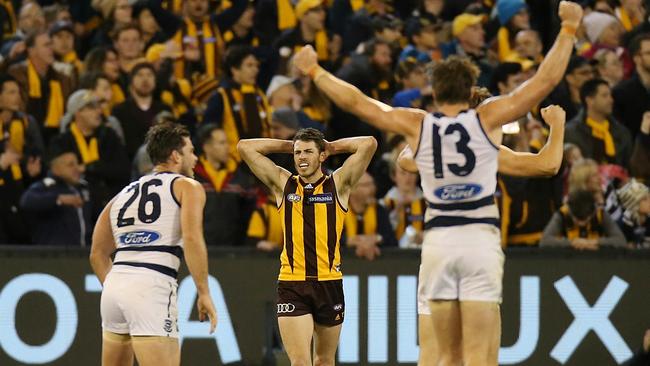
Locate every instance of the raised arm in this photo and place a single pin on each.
(362, 149)
(254, 151)
(403, 121)
(191, 196)
(103, 245)
(548, 160)
(498, 111)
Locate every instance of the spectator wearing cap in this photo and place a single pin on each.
(411, 76)
(30, 20)
(137, 113)
(97, 147)
(63, 46)
(594, 130)
(634, 198)
(632, 96)
(21, 147)
(513, 17)
(469, 41)
(239, 106)
(43, 88)
(567, 93)
(608, 66)
(310, 30)
(100, 86)
(368, 23)
(230, 191)
(423, 40)
(284, 125)
(581, 225)
(283, 93)
(59, 206)
(604, 32)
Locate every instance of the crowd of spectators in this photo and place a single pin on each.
(82, 81)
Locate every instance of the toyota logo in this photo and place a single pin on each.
(286, 308)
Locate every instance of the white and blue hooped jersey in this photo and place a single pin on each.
(146, 226)
(458, 166)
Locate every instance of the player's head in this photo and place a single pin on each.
(308, 151)
(453, 79)
(169, 144)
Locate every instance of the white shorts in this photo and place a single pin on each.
(463, 263)
(139, 305)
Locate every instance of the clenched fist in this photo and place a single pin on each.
(554, 115)
(570, 13)
(306, 59)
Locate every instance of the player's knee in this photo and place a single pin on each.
(450, 359)
(324, 361)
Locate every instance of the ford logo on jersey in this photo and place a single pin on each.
(457, 192)
(139, 237)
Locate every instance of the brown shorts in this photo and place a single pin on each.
(323, 299)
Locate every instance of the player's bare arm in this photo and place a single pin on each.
(191, 197)
(403, 121)
(362, 149)
(254, 151)
(498, 111)
(545, 163)
(520, 164)
(103, 245)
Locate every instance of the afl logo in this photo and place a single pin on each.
(292, 197)
(286, 308)
(457, 192)
(139, 237)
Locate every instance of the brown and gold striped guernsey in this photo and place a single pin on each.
(312, 221)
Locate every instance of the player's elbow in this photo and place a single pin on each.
(369, 143)
(244, 148)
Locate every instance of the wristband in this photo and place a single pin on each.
(315, 72)
(568, 30)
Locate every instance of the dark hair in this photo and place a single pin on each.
(311, 134)
(7, 78)
(235, 56)
(163, 139)
(139, 66)
(115, 33)
(371, 46)
(204, 134)
(582, 204)
(406, 67)
(502, 73)
(453, 80)
(30, 40)
(95, 59)
(89, 80)
(590, 88)
(635, 43)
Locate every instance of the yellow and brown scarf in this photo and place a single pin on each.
(218, 177)
(89, 151)
(600, 130)
(55, 104)
(16, 131)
